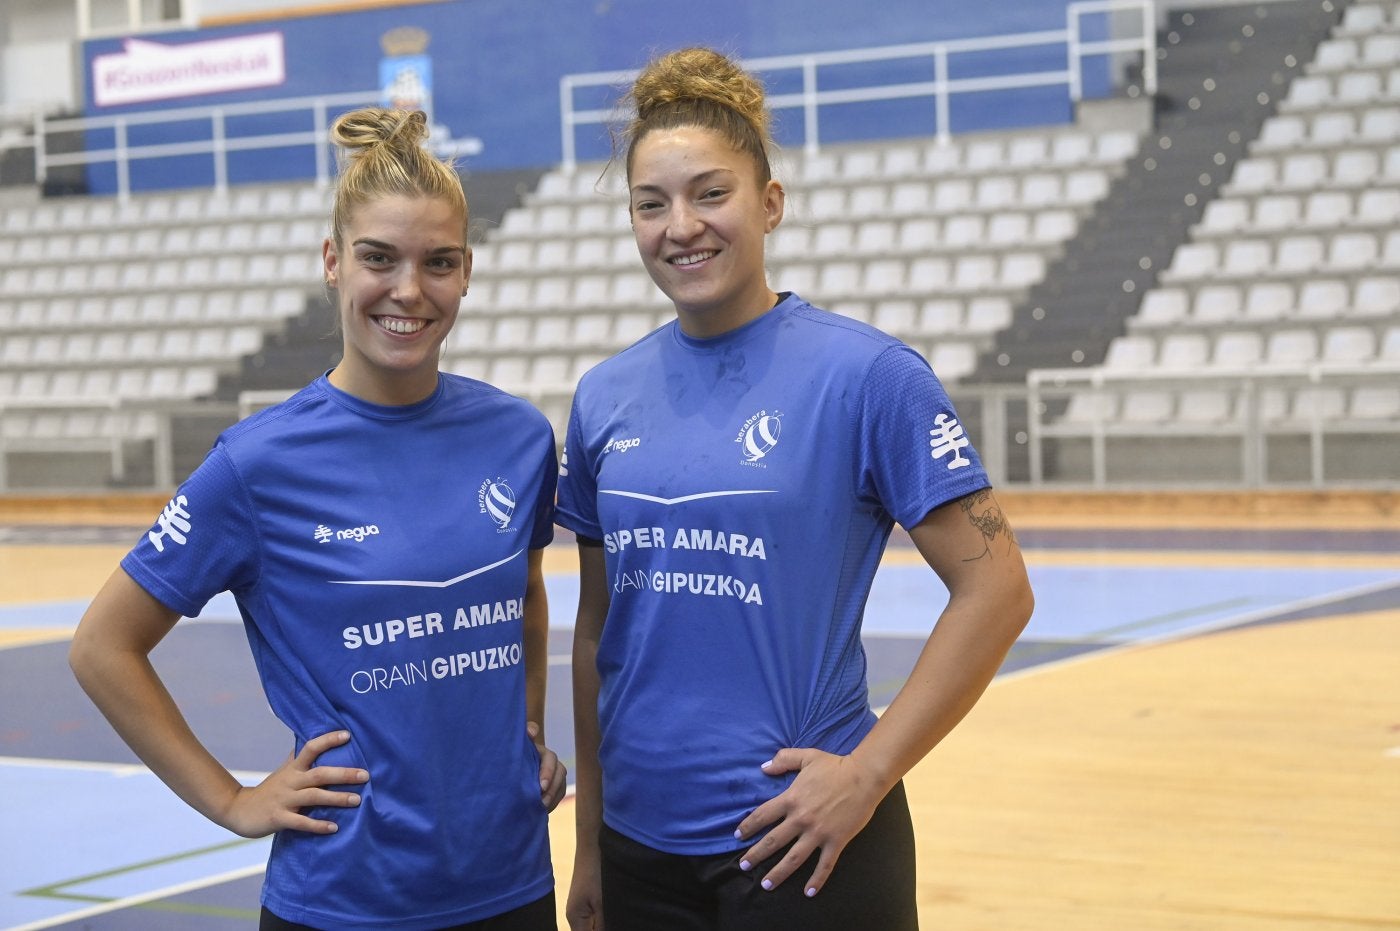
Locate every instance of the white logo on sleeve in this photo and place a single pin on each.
(564, 463)
(949, 438)
(173, 524)
(621, 445)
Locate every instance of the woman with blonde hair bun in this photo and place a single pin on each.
(732, 479)
(382, 533)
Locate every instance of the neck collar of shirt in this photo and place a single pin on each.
(786, 301)
(380, 411)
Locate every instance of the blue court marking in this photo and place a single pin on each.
(91, 839)
(1110, 604)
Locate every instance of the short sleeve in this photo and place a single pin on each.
(578, 486)
(203, 542)
(913, 453)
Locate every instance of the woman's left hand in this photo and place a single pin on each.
(828, 803)
(554, 778)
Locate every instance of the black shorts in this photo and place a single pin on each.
(539, 915)
(872, 886)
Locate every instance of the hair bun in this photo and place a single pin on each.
(700, 74)
(365, 129)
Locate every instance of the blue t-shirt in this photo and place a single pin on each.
(744, 488)
(379, 558)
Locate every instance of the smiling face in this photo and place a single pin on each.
(700, 216)
(400, 272)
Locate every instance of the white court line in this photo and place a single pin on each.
(113, 769)
(129, 901)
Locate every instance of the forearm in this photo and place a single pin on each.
(588, 782)
(955, 667)
(971, 546)
(536, 642)
(126, 689)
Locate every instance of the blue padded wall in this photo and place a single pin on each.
(496, 66)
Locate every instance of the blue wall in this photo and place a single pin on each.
(497, 64)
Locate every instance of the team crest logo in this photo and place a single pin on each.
(497, 501)
(759, 435)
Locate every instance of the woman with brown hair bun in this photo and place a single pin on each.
(733, 479)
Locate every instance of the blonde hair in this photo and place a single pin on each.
(380, 153)
(702, 88)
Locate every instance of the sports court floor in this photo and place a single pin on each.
(1200, 729)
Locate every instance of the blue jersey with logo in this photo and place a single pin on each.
(744, 488)
(379, 558)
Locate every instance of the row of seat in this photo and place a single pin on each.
(562, 292)
(907, 318)
(1028, 191)
(1343, 89)
(269, 236)
(522, 373)
(1021, 152)
(511, 333)
(134, 383)
(1344, 53)
(195, 207)
(1304, 171)
(931, 317)
(294, 269)
(262, 306)
(854, 278)
(1327, 209)
(1363, 19)
(1301, 254)
(1235, 349)
(1267, 302)
(874, 200)
(965, 274)
(1328, 128)
(64, 429)
(959, 233)
(1362, 408)
(121, 347)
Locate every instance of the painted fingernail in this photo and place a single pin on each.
(738, 834)
(811, 892)
(765, 765)
(745, 865)
(767, 885)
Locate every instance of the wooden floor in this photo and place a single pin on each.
(1242, 780)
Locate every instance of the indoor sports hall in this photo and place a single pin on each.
(1151, 248)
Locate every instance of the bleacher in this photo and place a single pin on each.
(110, 310)
(1293, 270)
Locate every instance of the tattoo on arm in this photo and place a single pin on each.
(984, 514)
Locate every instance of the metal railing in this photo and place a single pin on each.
(217, 143)
(1246, 423)
(995, 410)
(941, 89)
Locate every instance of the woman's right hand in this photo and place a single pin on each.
(584, 907)
(277, 803)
